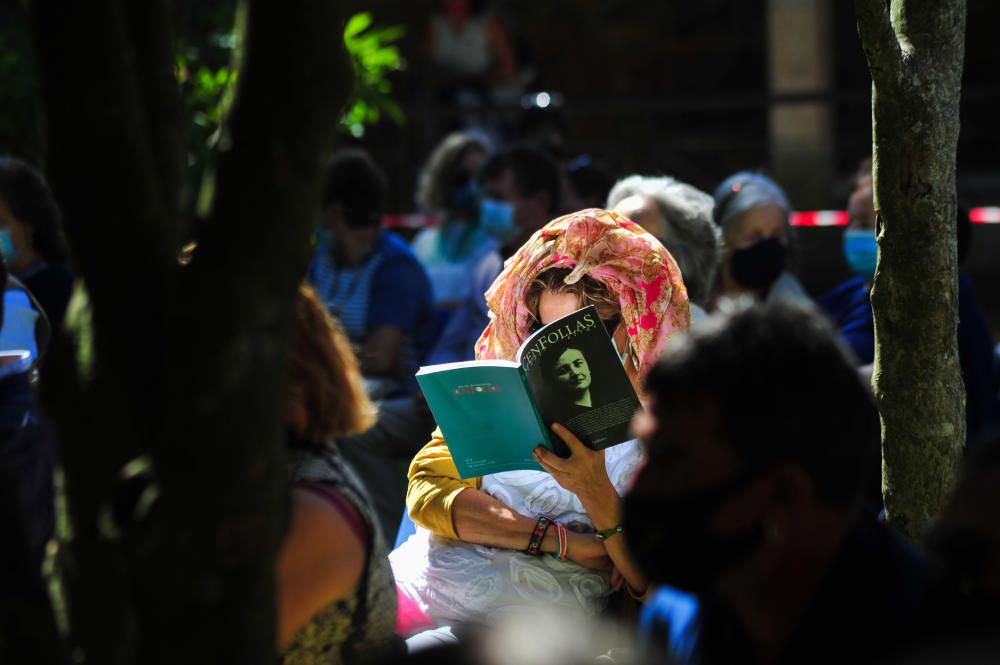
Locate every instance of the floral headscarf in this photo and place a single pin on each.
(616, 252)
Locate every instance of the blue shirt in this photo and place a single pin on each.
(849, 307)
(458, 340)
(390, 288)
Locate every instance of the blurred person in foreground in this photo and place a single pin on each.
(449, 188)
(31, 239)
(760, 437)
(520, 189)
(680, 216)
(336, 597)
(372, 283)
(963, 616)
(752, 213)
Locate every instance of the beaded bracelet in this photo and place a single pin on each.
(535, 544)
(607, 533)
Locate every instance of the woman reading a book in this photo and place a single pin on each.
(478, 550)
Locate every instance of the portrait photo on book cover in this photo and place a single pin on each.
(577, 388)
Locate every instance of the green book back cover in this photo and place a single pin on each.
(486, 414)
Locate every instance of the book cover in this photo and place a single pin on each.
(486, 413)
(494, 413)
(577, 379)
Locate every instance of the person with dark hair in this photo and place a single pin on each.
(521, 187)
(761, 441)
(572, 386)
(571, 373)
(752, 213)
(373, 284)
(849, 306)
(31, 238)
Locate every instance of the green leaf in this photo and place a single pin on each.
(357, 24)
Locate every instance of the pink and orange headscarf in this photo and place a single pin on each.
(633, 264)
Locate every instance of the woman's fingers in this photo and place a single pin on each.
(549, 460)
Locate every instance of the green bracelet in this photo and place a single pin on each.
(607, 533)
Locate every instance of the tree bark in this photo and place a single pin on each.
(915, 51)
(182, 368)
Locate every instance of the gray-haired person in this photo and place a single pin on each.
(680, 216)
(752, 212)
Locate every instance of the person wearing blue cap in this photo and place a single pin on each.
(752, 212)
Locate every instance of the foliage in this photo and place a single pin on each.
(20, 129)
(374, 57)
(207, 73)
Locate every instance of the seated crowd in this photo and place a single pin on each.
(738, 526)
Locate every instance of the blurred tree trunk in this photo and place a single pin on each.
(179, 368)
(915, 50)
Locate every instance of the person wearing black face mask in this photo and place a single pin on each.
(760, 438)
(752, 212)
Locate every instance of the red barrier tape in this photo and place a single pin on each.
(985, 215)
(840, 217)
(990, 215)
(819, 218)
(409, 221)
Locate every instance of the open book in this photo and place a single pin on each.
(493, 413)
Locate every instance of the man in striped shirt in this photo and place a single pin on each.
(373, 284)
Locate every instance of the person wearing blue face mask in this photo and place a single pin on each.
(448, 188)
(31, 239)
(848, 305)
(520, 189)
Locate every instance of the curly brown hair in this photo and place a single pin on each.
(587, 290)
(326, 397)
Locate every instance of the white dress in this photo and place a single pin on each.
(455, 582)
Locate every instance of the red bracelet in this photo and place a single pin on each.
(563, 541)
(535, 544)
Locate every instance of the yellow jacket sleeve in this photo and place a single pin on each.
(433, 486)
